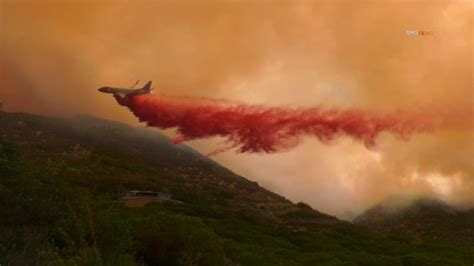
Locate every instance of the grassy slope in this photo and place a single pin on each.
(60, 181)
(424, 218)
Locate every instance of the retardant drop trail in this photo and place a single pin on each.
(267, 129)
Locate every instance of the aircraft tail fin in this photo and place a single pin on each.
(147, 86)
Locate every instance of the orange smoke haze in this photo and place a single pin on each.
(335, 54)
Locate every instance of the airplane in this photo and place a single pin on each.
(128, 92)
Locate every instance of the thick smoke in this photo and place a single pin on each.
(54, 54)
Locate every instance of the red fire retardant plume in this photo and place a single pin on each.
(266, 129)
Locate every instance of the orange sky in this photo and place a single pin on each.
(54, 54)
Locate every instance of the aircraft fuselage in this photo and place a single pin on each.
(127, 92)
(123, 91)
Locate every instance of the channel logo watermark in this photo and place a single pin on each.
(416, 32)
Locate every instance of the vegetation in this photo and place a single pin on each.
(423, 218)
(60, 205)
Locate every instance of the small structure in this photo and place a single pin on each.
(147, 193)
(138, 198)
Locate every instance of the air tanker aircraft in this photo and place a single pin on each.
(128, 92)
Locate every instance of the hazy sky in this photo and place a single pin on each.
(55, 54)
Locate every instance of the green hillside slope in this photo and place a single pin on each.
(61, 181)
(423, 218)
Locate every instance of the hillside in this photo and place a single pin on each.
(139, 158)
(61, 180)
(423, 218)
